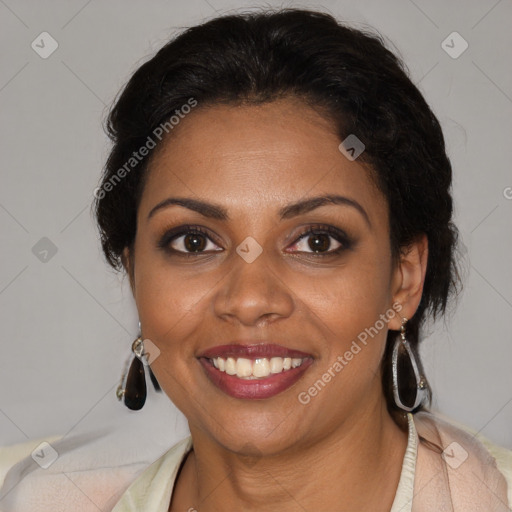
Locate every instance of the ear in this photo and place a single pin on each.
(409, 278)
(128, 264)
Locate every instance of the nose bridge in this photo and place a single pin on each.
(252, 289)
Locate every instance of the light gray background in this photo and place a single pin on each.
(67, 324)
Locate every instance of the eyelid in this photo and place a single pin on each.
(311, 229)
(178, 231)
(324, 229)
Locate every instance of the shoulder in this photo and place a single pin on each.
(86, 472)
(155, 484)
(475, 443)
(12, 454)
(467, 459)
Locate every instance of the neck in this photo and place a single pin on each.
(356, 467)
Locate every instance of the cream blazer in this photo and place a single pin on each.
(445, 468)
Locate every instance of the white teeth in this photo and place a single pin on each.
(243, 367)
(261, 367)
(230, 366)
(276, 365)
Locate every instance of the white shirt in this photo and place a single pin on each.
(461, 474)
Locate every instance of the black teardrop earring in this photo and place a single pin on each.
(135, 391)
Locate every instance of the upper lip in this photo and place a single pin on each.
(252, 351)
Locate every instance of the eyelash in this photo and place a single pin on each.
(317, 229)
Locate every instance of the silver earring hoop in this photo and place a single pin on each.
(401, 344)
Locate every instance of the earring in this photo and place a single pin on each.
(134, 390)
(401, 344)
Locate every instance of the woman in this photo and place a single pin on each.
(278, 193)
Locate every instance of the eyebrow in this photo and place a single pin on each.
(218, 212)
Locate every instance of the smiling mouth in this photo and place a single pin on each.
(248, 370)
(258, 368)
(254, 378)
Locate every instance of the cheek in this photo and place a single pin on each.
(351, 297)
(353, 339)
(348, 308)
(165, 299)
(170, 308)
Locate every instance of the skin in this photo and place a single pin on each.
(342, 450)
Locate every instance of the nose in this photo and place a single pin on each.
(253, 293)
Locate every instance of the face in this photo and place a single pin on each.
(255, 271)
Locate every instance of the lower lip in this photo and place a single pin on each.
(254, 389)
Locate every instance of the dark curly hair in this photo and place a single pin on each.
(347, 74)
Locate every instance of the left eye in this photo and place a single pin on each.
(319, 242)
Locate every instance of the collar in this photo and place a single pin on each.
(152, 490)
(405, 490)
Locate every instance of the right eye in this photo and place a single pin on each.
(188, 240)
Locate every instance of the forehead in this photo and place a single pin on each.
(255, 157)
